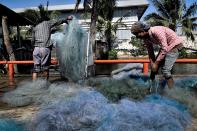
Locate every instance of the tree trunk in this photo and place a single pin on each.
(92, 47)
(7, 40)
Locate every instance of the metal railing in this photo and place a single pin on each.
(54, 61)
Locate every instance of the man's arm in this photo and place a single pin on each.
(151, 54)
(61, 21)
(152, 58)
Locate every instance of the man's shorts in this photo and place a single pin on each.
(42, 59)
(168, 63)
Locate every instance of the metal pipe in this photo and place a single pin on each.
(140, 61)
(24, 62)
(11, 82)
(54, 61)
(145, 68)
(121, 61)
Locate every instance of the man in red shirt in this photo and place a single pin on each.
(169, 44)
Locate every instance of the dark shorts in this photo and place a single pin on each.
(42, 59)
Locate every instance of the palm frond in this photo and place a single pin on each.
(54, 15)
(191, 11)
(182, 8)
(194, 19)
(160, 8)
(87, 4)
(187, 23)
(77, 5)
(153, 16)
(173, 14)
(187, 26)
(194, 26)
(32, 15)
(188, 33)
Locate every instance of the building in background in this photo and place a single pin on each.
(131, 9)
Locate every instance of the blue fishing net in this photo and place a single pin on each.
(10, 125)
(115, 90)
(91, 111)
(39, 92)
(69, 106)
(187, 82)
(128, 69)
(158, 99)
(27, 93)
(72, 51)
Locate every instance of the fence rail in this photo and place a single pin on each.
(54, 61)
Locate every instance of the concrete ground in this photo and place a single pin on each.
(4, 83)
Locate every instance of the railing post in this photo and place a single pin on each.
(145, 68)
(11, 82)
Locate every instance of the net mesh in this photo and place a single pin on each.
(69, 106)
(11, 125)
(91, 111)
(72, 51)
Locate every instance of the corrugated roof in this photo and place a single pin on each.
(14, 18)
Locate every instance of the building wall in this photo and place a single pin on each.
(131, 10)
(123, 34)
(190, 44)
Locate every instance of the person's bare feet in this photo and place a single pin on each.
(170, 83)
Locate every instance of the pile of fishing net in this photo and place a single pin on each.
(137, 87)
(187, 82)
(69, 106)
(185, 92)
(127, 70)
(43, 92)
(39, 92)
(91, 111)
(116, 89)
(10, 125)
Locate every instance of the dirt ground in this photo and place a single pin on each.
(193, 126)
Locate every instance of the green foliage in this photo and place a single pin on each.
(183, 53)
(40, 14)
(141, 49)
(107, 29)
(113, 54)
(174, 14)
(104, 22)
(136, 42)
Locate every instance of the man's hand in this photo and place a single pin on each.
(154, 67)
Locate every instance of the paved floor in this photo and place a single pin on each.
(4, 83)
